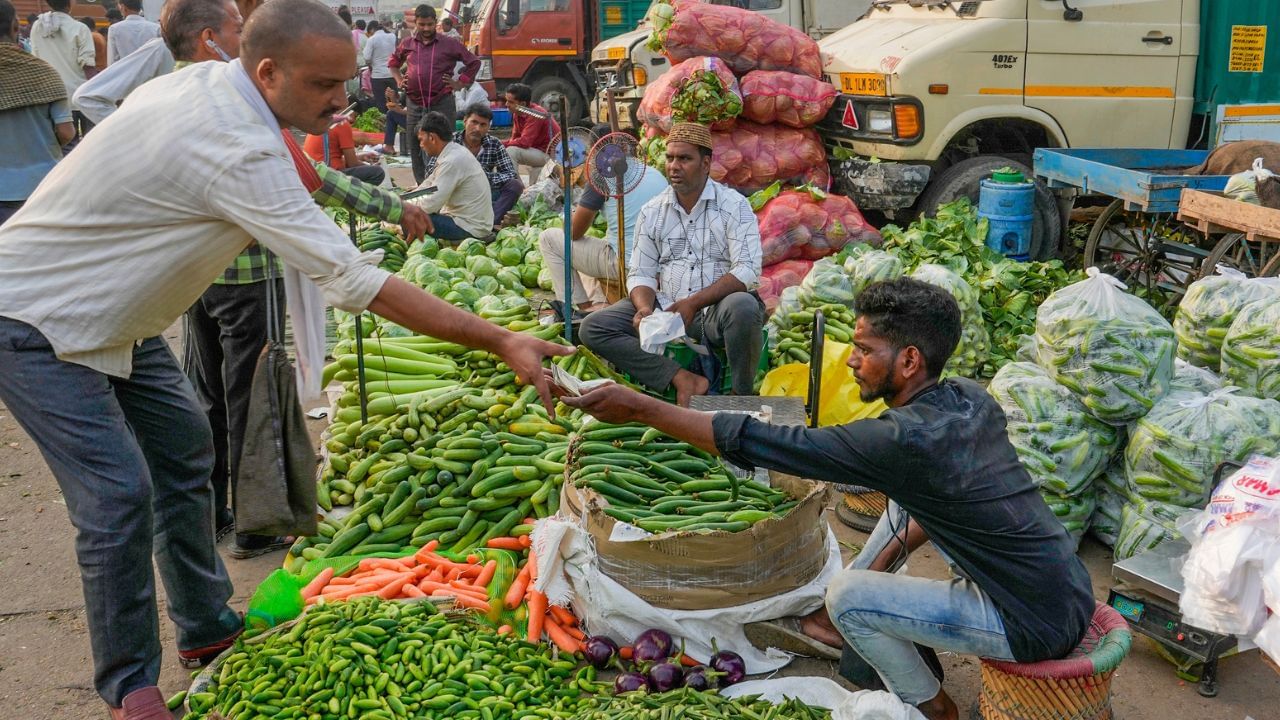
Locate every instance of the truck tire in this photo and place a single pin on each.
(964, 180)
(553, 88)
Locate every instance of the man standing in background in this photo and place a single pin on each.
(67, 45)
(377, 51)
(131, 33)
(429, 82)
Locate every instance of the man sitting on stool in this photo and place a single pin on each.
(697, 253)
(460, 207)
(504, 182)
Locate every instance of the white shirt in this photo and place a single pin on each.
(462, 190)
(678, 253)
(128, 35)
(103, 93)
(471, 95)
(66, 44)
(377, 53)
(126, 232)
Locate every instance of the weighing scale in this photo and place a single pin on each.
(1149, 587)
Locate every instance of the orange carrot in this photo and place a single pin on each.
(342, 581)
(505, 543)
(526, 541)
(453, 574)
(463, 599)
(533, 566)
(504, 629)
(537, 615)
(411, 591)
(626, 651)
(349, 591)
(688, 661)
(562, 639)
(473, 559)
(563, 616)
(472, 590)
(408, 561)
(317, 583)
(575, 632)
(392, 588)
(486, 574)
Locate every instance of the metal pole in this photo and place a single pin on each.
(568, 222)
(361, 391)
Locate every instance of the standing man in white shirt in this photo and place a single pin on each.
(86, 372)
(131, 33)
(697, 253)
(67, 45)
(377, 51)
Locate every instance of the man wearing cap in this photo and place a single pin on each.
(697, 253)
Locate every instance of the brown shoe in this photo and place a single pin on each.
(199, 657)
(143, 704)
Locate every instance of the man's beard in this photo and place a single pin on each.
(884, 390)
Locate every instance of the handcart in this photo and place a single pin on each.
(1249, 235)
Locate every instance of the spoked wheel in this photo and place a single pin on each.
(1152, 253)
(1255, 258)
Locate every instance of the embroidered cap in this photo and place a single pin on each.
(692, 133)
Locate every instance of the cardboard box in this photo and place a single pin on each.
(695, 571)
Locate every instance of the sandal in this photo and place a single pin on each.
(785, 634)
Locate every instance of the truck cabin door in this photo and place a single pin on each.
(528, 30)
(1111, 78)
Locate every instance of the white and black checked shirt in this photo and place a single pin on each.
(678, 253)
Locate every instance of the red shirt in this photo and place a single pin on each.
(531, 131)
(340, 138)
(430, 64)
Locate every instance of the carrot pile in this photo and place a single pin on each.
(423, 574)
(559, 625)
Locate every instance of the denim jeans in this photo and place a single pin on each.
(133, 458)
(505, 198)
(444, 228)
(881, 615)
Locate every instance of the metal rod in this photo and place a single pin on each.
(568, 223)
(622, 236)
(361, 390)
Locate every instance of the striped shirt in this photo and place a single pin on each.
(679, 254)
(112, 248)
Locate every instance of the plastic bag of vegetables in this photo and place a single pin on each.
(788, 303)
(747, 39)
(1060, 444)
(1174, 449)
(826, 283)
(1113, 495)
(867, 265)
(810, 223)
(1146, 525)
(700, 89)
(1189, 378)
(1073, 512)
(751, 156)
(1111, 349)
(975, 344)
(777, 96)
(1251, 350)
(779, 277)
(1210, 306)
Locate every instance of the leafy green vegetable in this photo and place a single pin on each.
(370, 121)
(703, 98)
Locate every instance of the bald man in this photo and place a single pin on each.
(86, 372)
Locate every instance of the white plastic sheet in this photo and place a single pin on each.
(821, 692)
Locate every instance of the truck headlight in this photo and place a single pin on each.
(486, 70)
(639, 76)
(880, 121)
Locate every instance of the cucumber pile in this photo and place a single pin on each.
(792, 329)
(660, 484)
(393, 247)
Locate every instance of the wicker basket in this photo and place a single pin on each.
(1077, 687)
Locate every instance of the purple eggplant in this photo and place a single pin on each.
(665, 676)
(600, 651)
(629, 682)
(695, 678)
(731, 664)
(653, 645)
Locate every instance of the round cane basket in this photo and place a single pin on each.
(1077, 687)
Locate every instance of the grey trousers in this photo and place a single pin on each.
(132, 457)
(446, 105)
(734, 324)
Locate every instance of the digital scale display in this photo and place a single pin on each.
(1131, 609)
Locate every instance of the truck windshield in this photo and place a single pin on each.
(964, 8)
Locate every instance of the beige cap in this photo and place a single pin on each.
(692, 133)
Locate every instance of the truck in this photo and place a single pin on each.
(546, 44)
(626, 66)
(934, 96)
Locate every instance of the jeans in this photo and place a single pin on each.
(444, 228)
(447, 106)
(592, 257)
(396, 121)
(227, 331)
(372, 174)
(380, 86)
(505, 198)
(881, 615)
(132, 457)
(734, 324)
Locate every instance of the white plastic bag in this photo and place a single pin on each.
(1111, 349)
(659, 329)
(1243, 186)
(1207, 311)
(974, 348)
(1251, 350)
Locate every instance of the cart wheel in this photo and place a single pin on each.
(1253, 258)
(1152, 253)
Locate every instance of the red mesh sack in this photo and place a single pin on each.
(795, 224)
(655, 107)
(751, 156)
(746, 40)
(777, 96)
(780, 276)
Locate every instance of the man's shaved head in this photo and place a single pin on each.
(279, 27)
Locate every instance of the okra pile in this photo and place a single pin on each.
(379, 660)
(688, 704)
(659, 484)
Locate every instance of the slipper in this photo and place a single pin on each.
(785, 634)
(261, 546)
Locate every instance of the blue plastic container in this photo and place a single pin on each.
(1008, 203)
(501, 117)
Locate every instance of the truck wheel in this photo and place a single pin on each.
(964, 180)
(556, 89)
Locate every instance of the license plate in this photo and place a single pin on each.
(617, 53)
(863, 84)
(1130, 609)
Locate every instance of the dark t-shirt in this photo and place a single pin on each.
(945, 457)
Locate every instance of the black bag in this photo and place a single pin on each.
(275, 490)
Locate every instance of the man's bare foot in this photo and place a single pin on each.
(687, 385)
(941, 707)
(818, 626)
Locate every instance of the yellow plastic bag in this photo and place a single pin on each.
(839, 402)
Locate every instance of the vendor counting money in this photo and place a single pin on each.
(942, 455)
(697, 253)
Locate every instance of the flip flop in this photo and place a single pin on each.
(785, 634)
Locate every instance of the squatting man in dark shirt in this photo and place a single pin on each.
(941, 453)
